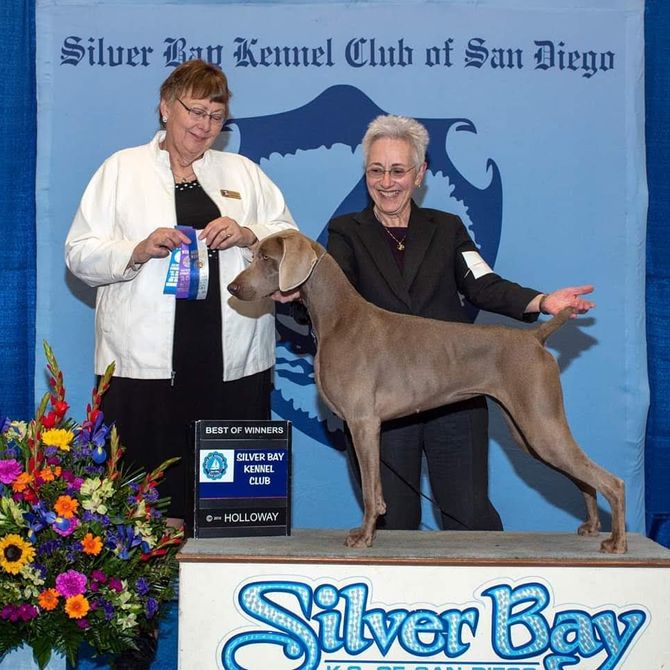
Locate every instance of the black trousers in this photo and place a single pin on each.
(454, 440)
(153, 417)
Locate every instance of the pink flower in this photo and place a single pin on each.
(9, 470)
(65, 527)
(71, 583)
(115, 584)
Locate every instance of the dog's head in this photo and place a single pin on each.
(282, 262)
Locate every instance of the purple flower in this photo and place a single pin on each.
(107, 608)
(7, 611)
(82, 623)
(99, 576)
(151, 496)
(27, 612)
(142, 585)
(151, 608)
(71, 583)
(93, 433)
(49, 547)
(99, 455)
(39, 517)
(52, 455)
(9, 470)
(123, 540)
(115, 584)
(65, 527)
(22, 612)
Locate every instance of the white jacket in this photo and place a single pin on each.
(131, 195)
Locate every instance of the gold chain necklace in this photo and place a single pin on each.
(400, 244)
(185, 179)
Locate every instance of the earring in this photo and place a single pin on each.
(165, 119)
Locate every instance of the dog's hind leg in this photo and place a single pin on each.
(552, 442)
(365, 436)
(591, 525)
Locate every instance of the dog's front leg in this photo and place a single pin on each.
(365, 436)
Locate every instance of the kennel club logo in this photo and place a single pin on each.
(285, 143)
(515, 627)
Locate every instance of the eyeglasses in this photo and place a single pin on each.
(396, 172)
(200, 114)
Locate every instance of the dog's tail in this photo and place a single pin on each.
(546, 328)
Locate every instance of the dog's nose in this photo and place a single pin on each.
(233, 288)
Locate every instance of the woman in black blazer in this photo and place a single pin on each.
(419, 261)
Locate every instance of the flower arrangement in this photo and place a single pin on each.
(86, 554)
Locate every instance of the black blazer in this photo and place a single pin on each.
(435, 272)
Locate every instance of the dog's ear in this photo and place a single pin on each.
(297, 261)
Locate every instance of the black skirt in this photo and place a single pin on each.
(153, 416)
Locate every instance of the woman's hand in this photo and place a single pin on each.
(553, 303)
(158, 245)
(224, 232)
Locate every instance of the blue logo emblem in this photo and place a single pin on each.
(215, 465)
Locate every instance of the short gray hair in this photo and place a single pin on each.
(397, 128)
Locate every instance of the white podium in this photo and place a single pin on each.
(423, 601)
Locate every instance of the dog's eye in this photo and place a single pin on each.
(264, 257)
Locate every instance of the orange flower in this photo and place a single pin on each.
(66, 506)
(46, 475)
(91, 544)
(21, 482)
(76, 607)
(48, 599)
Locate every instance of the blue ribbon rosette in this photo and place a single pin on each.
(188, 271)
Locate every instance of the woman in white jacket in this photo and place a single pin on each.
(177, 360)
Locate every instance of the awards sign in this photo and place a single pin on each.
(242, 477)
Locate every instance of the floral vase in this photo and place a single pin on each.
(22, 659)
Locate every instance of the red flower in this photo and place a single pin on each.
(49, 420)
(60, 407)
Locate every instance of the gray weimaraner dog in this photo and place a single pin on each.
(447, 362)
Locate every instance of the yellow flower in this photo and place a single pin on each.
(58, 437)
(76, 607)
(15, 552)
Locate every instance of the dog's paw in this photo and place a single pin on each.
(590, 529)
(358, 538)
(614, 545)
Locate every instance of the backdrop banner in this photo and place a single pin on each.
(536, 115)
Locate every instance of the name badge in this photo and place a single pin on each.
(230, 194)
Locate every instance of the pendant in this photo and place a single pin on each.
(401, 246)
